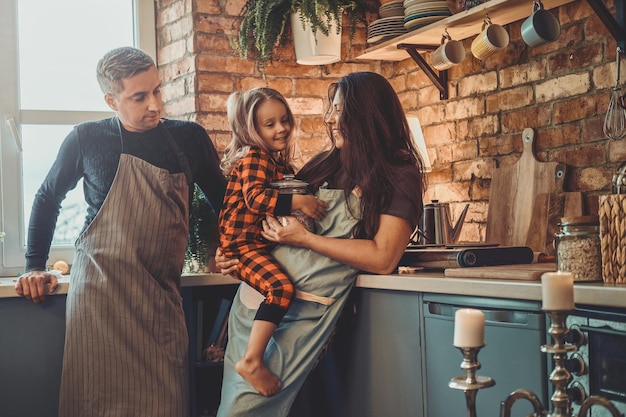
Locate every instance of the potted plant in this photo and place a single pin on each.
(263, 23)
(203, 234)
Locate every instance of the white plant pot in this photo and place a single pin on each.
(315, 49)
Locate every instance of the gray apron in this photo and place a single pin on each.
(322, 288)
(126, 348)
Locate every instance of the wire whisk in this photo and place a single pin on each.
(615, 120)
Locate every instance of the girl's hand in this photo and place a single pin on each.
(288, 230)
(309, 205)
(226, 265)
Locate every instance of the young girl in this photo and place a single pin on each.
(259, 153)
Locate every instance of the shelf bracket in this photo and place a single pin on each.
(440, 80)
(615, 25)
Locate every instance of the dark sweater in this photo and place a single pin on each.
(92, 151)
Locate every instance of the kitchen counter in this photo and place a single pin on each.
(593, 293)
(37, 332)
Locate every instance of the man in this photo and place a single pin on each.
(126, 346)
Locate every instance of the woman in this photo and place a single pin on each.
(374, 189)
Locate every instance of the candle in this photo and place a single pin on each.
(469, 328)
(557, 291)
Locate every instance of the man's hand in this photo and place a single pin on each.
(226, 265)
(36, 285)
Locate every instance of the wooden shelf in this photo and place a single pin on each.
(460, 26)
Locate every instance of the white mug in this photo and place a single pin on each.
(450, 53)
(491, 39)
(540, 27)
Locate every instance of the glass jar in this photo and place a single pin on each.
(578, 248)
(290, 185)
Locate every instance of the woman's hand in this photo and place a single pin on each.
(36, 285)
(286, 230)
(226, 265)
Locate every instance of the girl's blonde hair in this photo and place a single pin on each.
(241, 108)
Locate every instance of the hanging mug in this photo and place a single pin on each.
(450, 53)
(491, 39)
(540, 27)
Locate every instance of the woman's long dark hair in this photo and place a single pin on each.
(378, 154)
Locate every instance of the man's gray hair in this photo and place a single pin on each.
(121, 63)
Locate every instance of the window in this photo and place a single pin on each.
(48, 56)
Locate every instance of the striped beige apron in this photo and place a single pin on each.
(126, 348)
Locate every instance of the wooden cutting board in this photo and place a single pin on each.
(522, 197)
(547, 212)
(526, 272)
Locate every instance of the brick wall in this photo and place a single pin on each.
(562, 90)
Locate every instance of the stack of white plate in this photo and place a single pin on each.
(385, 28)
(393, 8)
(418, 13)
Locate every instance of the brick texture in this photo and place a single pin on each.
(562, 90)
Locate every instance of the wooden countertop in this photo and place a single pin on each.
(596, 293)
(7, 284)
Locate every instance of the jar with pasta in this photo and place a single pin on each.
(578, 248)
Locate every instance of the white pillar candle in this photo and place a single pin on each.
(557, 291)
(469, 328)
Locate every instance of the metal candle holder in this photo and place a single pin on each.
(560, 377)
(470, 383)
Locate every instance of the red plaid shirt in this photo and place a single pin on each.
(248, 199)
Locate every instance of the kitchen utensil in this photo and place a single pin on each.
(436, 224)
(514, 189)
(619, 179)
(547, 212)
(440, 258)
(615, 119)
(526, 272)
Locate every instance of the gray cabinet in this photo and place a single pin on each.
(383, 366)
(31, 352)
(514, 333)
(399, 356)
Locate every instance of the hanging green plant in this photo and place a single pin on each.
(263, 23)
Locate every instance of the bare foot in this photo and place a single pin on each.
(259, 376)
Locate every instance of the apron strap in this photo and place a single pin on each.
(180, 155)
(307, 296)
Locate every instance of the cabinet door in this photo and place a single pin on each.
(383, 364)
(205, 312)
(31, 353)
(512, 355)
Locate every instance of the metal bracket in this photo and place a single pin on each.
(615, 25)
(440, 80)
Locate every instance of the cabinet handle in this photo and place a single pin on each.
(494, 316)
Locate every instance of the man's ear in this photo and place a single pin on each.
(110, 101)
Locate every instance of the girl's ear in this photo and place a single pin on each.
(110, 100)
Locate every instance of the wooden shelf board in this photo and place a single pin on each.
(460, 26)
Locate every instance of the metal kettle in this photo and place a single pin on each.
(436, 225)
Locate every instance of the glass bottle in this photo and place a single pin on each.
(578, 248)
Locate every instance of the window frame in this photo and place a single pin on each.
(12, 117)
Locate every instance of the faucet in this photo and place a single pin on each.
(506, 405)
(597, 400)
